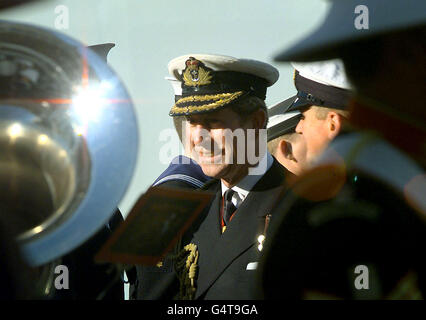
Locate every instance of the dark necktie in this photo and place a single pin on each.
(228, 208)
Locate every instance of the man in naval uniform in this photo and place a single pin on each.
(223, 101)
(322, 96)
(354, 226)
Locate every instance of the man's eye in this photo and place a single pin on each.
(215, 123)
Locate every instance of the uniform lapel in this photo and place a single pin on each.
(208, 234)
(217, 251)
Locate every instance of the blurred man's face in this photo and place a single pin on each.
(314, 133)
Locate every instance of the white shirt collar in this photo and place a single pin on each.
(243, 187)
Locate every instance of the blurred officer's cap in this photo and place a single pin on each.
(348, 21)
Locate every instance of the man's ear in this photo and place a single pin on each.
(259, 119)
(285, 149)
(334, 124)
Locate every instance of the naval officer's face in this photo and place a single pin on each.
(219, 156)
(315, 135)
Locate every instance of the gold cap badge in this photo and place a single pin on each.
(196, 73)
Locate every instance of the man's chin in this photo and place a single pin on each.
(213, 170)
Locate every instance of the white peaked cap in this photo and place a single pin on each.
(280, 118)
(226, 63)
(330, 72)
(176, 85)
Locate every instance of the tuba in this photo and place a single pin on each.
(68, 141)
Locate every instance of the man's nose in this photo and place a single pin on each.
(197, 134)
(299, 127)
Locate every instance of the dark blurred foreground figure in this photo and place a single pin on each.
(354, 226)
(62, 172)
(7, 4)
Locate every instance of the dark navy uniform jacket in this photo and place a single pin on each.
(225, 269)
(228, 261)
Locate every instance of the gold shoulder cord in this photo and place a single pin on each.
(186, 269)
(191, 262)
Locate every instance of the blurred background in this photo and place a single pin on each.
(149, 33)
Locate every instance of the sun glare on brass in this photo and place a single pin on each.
(62, 170)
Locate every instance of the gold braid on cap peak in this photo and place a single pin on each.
(222, 99)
